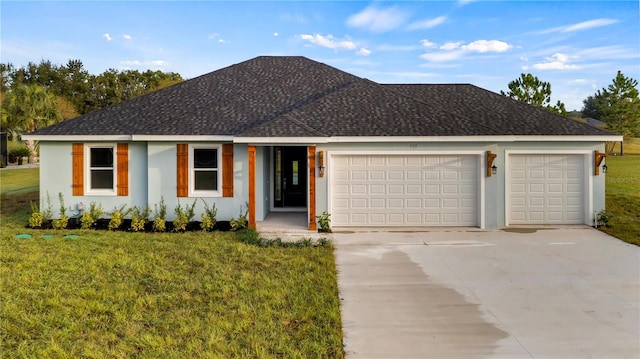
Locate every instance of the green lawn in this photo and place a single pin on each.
(16, 181)
(623, 197)
(170, 295)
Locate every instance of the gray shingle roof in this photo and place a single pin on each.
(298, 97)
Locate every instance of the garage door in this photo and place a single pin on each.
(404, 190)
(546, 189)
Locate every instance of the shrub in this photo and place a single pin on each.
(38, 217)
(20, 151)
(603, 218)
(64, 220)
(241, 222)
(208, 217)
(160, 213)
(139, 217)
(91, 216)
(324, 221)
(181, 220)
(116, 217)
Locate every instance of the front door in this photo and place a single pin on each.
(290, 183)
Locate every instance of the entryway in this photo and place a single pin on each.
(290, 178)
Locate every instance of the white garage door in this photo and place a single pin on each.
(404, 190)
(546, 189)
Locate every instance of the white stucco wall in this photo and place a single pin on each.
(153, 165)
(56, 177)
(162, 169)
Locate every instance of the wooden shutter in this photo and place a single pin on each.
(183, 170)
(77, 181)
(123, 169)
(227, 170)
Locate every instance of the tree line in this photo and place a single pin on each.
(617, 105)
(38, 95)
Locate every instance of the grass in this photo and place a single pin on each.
(623, 197)
(16, 181)
(631, 146)
(169, 295)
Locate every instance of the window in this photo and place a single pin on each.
(204, 170)
(101, 169)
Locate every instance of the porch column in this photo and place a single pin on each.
(312, 187)
(252, 186)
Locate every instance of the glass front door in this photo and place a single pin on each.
(290, 172)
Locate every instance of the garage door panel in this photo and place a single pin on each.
(546, 189)
(413, 175)
(407, 190)
(376, 175)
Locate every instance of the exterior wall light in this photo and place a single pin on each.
(598, 158)
(491, 168)
(320, 163)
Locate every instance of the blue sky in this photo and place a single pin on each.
(577, 46)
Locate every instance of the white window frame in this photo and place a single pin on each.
(192, 182)
(88, 168)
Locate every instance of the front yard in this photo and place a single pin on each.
(160, 295)
(623, 197)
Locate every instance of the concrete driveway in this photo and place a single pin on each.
(524, 293)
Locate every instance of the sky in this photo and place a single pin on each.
(576, 46)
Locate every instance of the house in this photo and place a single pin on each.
(293, 134)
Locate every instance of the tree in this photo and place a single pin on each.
(27, 108)
(619, 106)
(529, 89)
(590, 108)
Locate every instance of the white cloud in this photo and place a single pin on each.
(428, 44)
(216, 36)
(451, 45)
(442, 56)
(375, 19)
(130, 63)
(557, 61)
(153, 64)
(454, 50)
(585, 25)
(487, 46)
(329, 42)
(364, 52)
(276, 34)
(127, 37)
(107, 36)
(428, 24)
(465, 2)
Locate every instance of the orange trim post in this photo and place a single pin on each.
(77, 164)
(123, 169)
(227, 170)
(182, 155)
(252, 186)
(312, 187)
